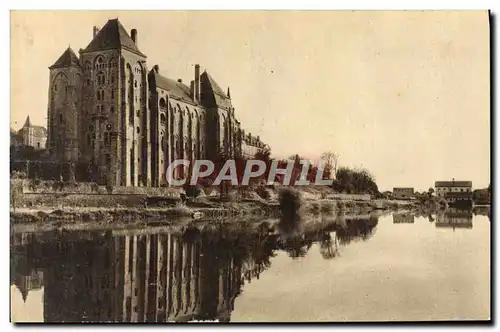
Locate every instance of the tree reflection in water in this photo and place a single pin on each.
(156, 275)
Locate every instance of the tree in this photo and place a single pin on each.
(331, 162)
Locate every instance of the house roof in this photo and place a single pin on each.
(174, 88)
(453, 184)
(27, 124)
(67, 59)
(113, 36)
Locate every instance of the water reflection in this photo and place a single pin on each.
(158, 275)
(455, 218)
(403, 218)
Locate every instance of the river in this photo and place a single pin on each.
(394, 267)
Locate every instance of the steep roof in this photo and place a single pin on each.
(174, 88)
(27, 123)
(113, 36)
(67, 59)
(221, 99)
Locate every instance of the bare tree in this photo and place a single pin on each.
(331, 160)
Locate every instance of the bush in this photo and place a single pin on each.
(192, 191)
(327, 207)
(263, 192)
(109, 189)
(182, 210)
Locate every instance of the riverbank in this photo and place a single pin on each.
(323, 211)
(80, 206)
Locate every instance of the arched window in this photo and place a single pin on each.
(112, 78)
(112, 94)
(138, 130)
(101, 78)
(112, 63)
(162, 141)
(163, 119)
(99, 62)
(60, 118)
(163, 104)
(100, 94)
(111, 109)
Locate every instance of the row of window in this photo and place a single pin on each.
(100, 95)
(99, 63)
(454, 189)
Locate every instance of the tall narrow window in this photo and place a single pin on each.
(106, 139)
(101, 78)
(112, 94)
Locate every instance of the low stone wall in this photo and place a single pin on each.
(59, 187)
(61, 200)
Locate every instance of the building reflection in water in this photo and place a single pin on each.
(403, 218)
(154, 276)
(454, 218)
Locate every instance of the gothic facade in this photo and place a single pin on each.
(107, 108)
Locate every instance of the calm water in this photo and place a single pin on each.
(394, 267)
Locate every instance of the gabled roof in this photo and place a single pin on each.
(112, 36)
(221, 99)
(174, 88)
(453, 184)
(67, 59)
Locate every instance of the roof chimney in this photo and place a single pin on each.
(95, 31)
(191, 89)
(197, 83)
(133, 34)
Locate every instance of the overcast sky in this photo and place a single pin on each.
(403, 94)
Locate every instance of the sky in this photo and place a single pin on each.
(404, 94)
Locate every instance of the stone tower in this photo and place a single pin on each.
(114, 133)
(64, 107)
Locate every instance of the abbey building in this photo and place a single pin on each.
(108, 109)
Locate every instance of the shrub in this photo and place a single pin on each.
(182, 210)
(290, 204)
(109, 189)
(192, 191)
(327, 207)
(315, 208)
(263, 192)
